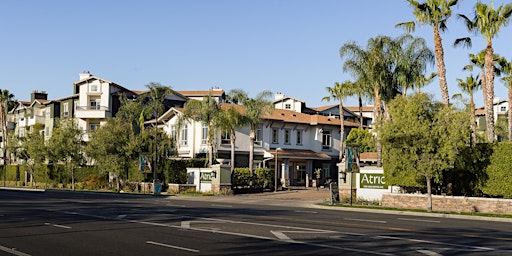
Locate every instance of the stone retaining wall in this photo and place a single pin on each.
(448, 203)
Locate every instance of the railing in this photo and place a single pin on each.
(99, 108)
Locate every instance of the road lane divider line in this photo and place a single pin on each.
(364, 220)
(173, 246)
(13, 251)
(299, 211)
(57, 225)
(420, 220)
(222, 205)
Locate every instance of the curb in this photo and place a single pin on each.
(23, 189)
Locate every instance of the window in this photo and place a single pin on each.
(275, 135)
(299, 137)
(204, 134)
(225, 137)
(94, 87)
(65, 112)
(184, 135)
(94, 104)
(288, 106)
(286, 136)
(76, 105)
(173, 133)
(326, 139)
(503, 109)
(258, 135)
(94, 126)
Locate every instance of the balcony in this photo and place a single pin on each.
(32, 120)
(97, 112)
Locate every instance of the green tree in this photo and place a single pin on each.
(498, 171)
(231, 117)
(436, 14)
(255, 108)
(340, 92)
(205, 111)
(110, 147)
(421, 141)
(66, 146)
(362, 137)
(423, 80)
(487, 21)
(469, 86)
(31, 150)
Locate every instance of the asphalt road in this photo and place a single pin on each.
(67, 223)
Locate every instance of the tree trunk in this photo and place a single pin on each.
(441, 70)
(489, 83)
(377, 114)
(509, 113)
(473, 119)
(342, 131)
(232, 162)
(361, 119)
(429, 193)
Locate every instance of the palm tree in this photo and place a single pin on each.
(255, 108)
(205, 111)
(469, 86)
(423, 80)
(157, 95)
(507, 70)
(412, 56)
(487, 21)
(434, 13)
(230, 118)
(372, 67)
(339, 92)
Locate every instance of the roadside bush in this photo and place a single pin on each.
(499, 172)
(264, 178)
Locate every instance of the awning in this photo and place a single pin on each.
(297, 154)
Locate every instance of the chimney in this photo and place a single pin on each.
(279, 96)
(36, 95)
(84, 75)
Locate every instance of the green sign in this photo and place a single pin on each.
(205, 177)
(372, 180)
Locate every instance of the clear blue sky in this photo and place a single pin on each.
(288, 46)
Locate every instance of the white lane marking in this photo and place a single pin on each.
(222, 205)
(427, 252)
(13, 251)
(305, 211)
(122, 216)
(172, 246)
(280, 235)
(420, 220)
(363, 220)
(282, 226)
(177, 205)
(57, 225)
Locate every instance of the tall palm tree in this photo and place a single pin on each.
(487, 21)
(434, 13)
(339, 92)
(230, 117)
(507, 70)
(370, 67)
(157, 95)
(255, 108)
(206, 111)
(469, 86)
(5, 98)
